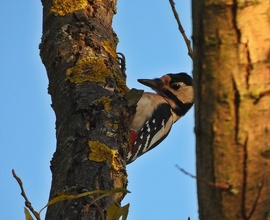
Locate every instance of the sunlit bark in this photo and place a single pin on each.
(232, 76)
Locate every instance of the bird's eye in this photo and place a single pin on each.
(175, 86)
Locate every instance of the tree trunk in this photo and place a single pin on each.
(232, 77)
(87, 86)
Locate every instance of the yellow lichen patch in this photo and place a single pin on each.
(63, 7)
(121, 86)
(106, 103)
(91, 69)
(110, 48)
(115, 126)
(94, 69)
(101, 152)
(255, 94)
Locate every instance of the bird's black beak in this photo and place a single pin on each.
(154, 84)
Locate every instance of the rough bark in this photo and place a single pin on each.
(87, 86)
(232, 77)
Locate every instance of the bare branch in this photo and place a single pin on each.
(181, 29)
(260, 95)
(223, 186)
(27, 202)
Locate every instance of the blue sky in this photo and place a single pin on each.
(153, 46)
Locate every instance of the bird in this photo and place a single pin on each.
(157, 112)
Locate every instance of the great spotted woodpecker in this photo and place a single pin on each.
(156, 113)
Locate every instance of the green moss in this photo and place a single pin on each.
(63, 7)
(101, 152)
(91, 69)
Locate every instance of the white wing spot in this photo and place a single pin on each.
(135, 155)
(162, 123)
(148, 128)
(146, 147)
(129, 155)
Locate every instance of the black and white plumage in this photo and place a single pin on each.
(156, 113)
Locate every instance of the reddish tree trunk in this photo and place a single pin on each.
(231, 71)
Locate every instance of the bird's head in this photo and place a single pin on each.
(177, 89)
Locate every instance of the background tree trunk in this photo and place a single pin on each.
(87, 86)
(232, 76)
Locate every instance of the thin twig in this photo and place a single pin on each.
(256, 199)
(223, 186)
(27, 202)
(181, 29)
(262, 94)
(245, 176)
